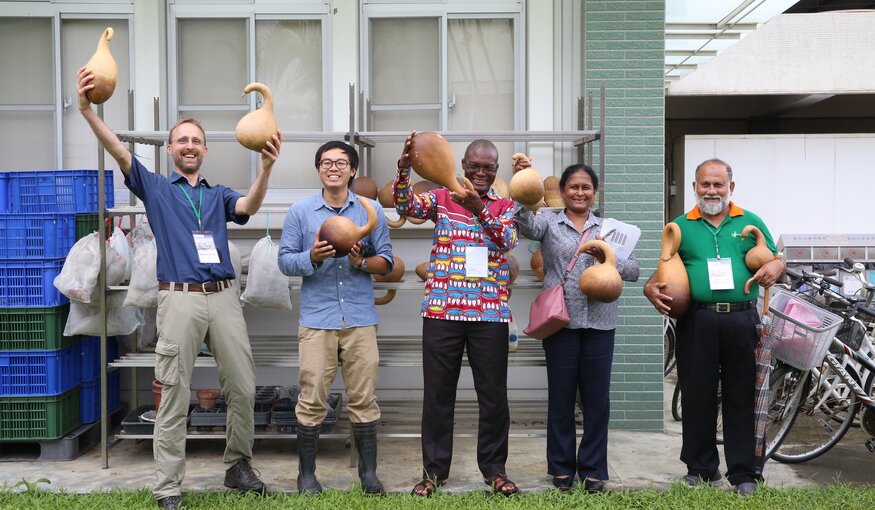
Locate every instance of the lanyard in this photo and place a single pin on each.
(714, 231)
(197, 211)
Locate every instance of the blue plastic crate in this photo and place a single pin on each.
(54, 191)
(36, 236)
(39, 373)
(30, 284)
(89, 396)
(4, 192)
(89, 348)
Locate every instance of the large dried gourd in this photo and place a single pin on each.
(422, 271)
(537, 265)
(365, 186)
(601, 282)
(500, 187)
(552, 192)
(432, 158)
(671, 271)
(526, 186)
(342, 234)
(395, 275)
(759, 255)
(105, 70)
(257, 128)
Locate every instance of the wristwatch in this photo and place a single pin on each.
(364, 265)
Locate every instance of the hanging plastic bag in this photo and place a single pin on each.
(143, 288)
(85, 319)
(119, 244)
(147, 332)
(265, 285)
(78, 277)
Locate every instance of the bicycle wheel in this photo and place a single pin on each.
(787, 385)
(824, 417)
(677, 410)
(669, 340)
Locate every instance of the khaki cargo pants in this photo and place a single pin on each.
(185, 320)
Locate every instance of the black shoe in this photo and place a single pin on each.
(746, 488)
(308, 445)
(366, 444)
(698, 481)
(593, 486)
(563, 484)
(170, 503)
(241, 476)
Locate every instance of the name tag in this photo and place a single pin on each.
(476, 262)
(720, 274)
(206, 247)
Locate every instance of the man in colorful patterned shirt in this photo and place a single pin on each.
(465, 309)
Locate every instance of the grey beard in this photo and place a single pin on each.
(710, 208)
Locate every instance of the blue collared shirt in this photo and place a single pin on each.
(334, 295)
(172, 221)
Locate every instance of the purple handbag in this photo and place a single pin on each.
(548, 313)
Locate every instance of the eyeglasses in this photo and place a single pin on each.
(489, 169)
(326, 164)
(197, 142)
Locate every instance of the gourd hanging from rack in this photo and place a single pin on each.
(671, 271)
(342, 234)
(422, 271)
(552, 192)
(419, 187)
(395, 275)
(537, 265)
(601, 282)
(104, 69)
(526, 186)
(257, 128)
(365, 186)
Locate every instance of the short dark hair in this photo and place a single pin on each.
(573, 169)
(481, 144)
(714, 161)
(186, 120)
(348, 149)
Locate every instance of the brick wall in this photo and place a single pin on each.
(623, 47)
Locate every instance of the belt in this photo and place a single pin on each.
(726, 307)
(204, 288)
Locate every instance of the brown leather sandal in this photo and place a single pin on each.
(501, 484)
(426, 487)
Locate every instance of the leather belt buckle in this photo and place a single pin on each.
(722, 307)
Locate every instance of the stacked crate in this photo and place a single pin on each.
(40, 368)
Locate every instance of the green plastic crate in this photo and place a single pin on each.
(86, 224)
(38, 418)
(34, 329)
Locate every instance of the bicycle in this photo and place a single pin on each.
(811, 410)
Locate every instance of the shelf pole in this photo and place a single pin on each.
(101, 285)
(602, 150)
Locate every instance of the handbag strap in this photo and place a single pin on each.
(573, 260)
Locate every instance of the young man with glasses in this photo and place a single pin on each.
(338, 318)
(465, 309)
(189, 217)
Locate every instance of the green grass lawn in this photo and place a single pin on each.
(841, 497)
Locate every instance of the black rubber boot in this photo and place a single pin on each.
(308, 445)
(366, 445)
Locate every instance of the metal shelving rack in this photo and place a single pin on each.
(401, 418)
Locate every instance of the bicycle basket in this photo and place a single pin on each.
(801, 332)
(851, 333)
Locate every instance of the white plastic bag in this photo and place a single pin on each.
(78, 277)
(85, 319)
(119, 243)
(143, 288)
(265, 285)
(147, 333)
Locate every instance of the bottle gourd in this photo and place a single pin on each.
(671, 271)
(395, 275)
(526, 186)
(432, 158)
(342, 234)
(104, 69)
(601, 282)
(257, 128)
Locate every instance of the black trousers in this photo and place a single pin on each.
(578, 360)
(716, 347)
(443, 342)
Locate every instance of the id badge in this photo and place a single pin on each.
(720, 274)
(476, 262)
(206, 247)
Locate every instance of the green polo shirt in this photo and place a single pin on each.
(700, 240)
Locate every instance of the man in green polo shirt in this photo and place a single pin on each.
(718, 333)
